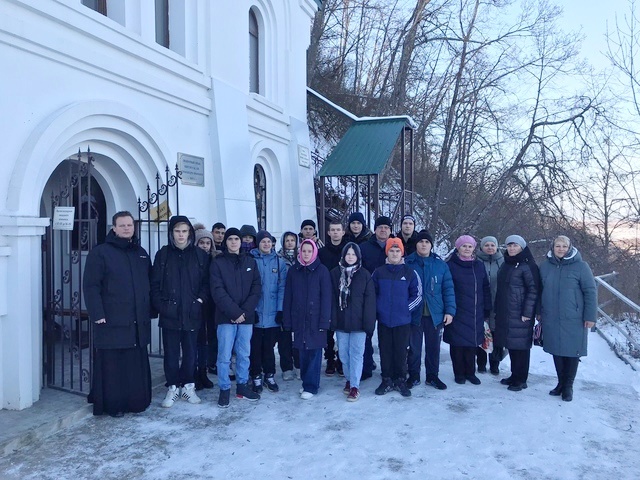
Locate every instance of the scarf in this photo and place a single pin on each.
(346, 274)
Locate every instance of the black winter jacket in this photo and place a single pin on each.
(178, 279)
(409, 245)
(116, 288)
(360, 314)
(373, 255)
(330, 254)
(235, 287)
(473, 302)
(516, 297)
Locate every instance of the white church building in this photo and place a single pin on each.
(216, 87)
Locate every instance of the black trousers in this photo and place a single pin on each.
(519, 365)
(289, 356)
(263, 358)
(463, 361)
(179, 370)
(393, 343)
(207, 343)
(330, 349)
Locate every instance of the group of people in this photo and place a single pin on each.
(229, 295)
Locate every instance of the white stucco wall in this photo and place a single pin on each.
(73, 78)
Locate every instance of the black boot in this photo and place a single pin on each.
(204, 380)
(570, 370)
(559, 364)
(401, 386)
(197, 381)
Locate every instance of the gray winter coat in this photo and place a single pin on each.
(492, 264)
(569, 298)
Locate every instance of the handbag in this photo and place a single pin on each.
(537, 334)
(487, 342)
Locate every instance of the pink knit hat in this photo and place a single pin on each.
(466, 239)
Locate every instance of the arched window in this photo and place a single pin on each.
(254, 53)
(260, 189)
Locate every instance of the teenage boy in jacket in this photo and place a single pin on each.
(330, 257)
(179, 288)
(374, 256)
(438, 310)
(408, 234)
(398, 293)
(273, 275)
(236, 289)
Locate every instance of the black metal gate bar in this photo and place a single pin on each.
(153, 226)
(67, 331)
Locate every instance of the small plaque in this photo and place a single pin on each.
(63, 218)
(161, 212)
(304, 159)
(192, 169)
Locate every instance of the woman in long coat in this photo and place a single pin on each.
(307, 312)
(569, 307)
(473, 305)
(516, 298)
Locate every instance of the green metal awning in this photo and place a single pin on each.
(365, 148)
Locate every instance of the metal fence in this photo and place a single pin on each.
(621, 320)
(152, 224)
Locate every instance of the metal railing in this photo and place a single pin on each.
(613, 299)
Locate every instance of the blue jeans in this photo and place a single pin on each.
(351, 350)
(233, 338)
(432, 338)
(177, 373)
(310, 368)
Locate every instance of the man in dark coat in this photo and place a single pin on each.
(374, 256)
(330, 257)
(116, 293)
(235, 288)
(179, 288)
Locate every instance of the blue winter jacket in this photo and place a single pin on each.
(273, 273)
(437, 287)
(398, 293)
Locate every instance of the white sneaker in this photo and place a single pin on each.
(306, 395)
(188, 392)
(296, 373)
(287, 375)
(173, 394)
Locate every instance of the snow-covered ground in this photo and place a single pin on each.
(464, 432)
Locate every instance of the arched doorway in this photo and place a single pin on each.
(75, 202)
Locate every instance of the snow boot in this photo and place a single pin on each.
(559, 364)
(570, 370)
(223, 399)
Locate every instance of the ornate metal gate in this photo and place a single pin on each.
(152, 229)
(78, 223)
(76, 213)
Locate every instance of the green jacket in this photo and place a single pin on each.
(569, 298)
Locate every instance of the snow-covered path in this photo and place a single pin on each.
(466, 432)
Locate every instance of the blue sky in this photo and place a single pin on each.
(592, 16)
